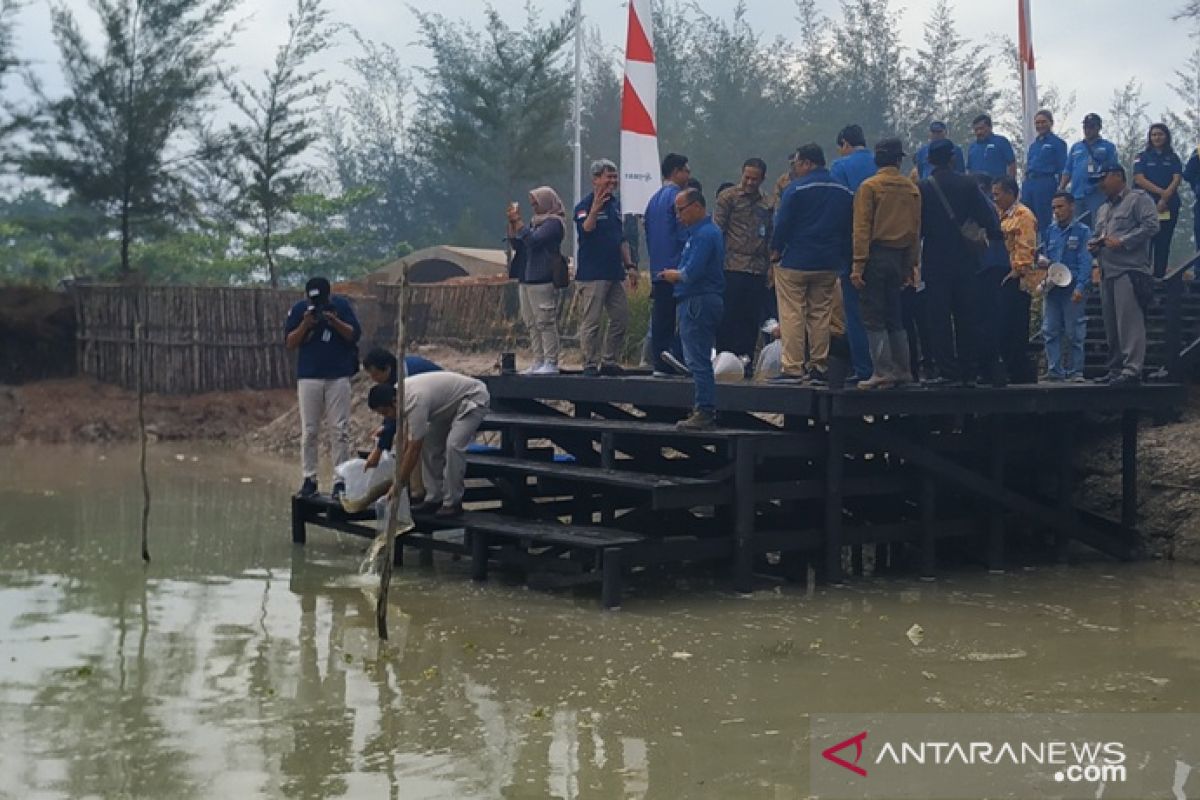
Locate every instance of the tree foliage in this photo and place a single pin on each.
(117, 140)
(1126, 123)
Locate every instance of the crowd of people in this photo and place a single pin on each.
(931, 273)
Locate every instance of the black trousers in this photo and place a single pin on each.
(744, 301)
(662, 324)
(954, 314)
(1003, 334)
(1160, 245)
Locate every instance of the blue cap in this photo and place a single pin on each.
(937, 127)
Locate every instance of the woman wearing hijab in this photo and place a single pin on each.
(1158, 171)
(537, 249)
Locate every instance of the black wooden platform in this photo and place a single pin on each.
(591, 478)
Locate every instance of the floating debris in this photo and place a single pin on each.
(916, 634)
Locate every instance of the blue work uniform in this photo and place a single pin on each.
(1044, 165)
(700, 294)
(1084, 160)
(600, 249)
(851, 170)
(990, 156)
(1160, 169)
(1061, 315)
(925, 169)
(324, 354)
(1191, 176)
(665, 239)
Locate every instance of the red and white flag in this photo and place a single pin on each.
(1029, 96)
(640, 171)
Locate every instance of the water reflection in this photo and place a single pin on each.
(236, 665)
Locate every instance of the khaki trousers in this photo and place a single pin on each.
(805, 314)
(539, 312)
(597, 298)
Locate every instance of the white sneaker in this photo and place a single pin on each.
(549, 368)
(533, 369)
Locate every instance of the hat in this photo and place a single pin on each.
(317, 287)
(937, 127)
(1106, 170)
(1093, 119)
(941, 148)
(893, 148)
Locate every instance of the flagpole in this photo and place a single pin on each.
(578, 110)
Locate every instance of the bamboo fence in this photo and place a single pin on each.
(197, 339)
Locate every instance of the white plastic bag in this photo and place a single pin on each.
(770, 361)
(728, 368)
(406, 523)
(364, 487)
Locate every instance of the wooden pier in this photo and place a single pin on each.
(590, 479)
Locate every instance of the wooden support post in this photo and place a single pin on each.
(834, 471)
(608, 448)
(1064, 454)
(425, 557)
(995, 513)
(299, 518)
(743, 517)
(479, 555)
(1129, 493)
(928, 526)
(857, 564)
(610, 589)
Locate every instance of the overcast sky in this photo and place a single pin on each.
(1080, 45)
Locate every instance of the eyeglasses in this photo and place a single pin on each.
(682, 208)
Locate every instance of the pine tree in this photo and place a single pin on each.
(870, 64)
(118, 141)
(601, 108)
(1009, 120)
(1126, 122)
(10, 117)
(1184, 118)
(278, 129)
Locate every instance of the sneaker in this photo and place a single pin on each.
(426, 506)
(308, 488)
(1107, 378)
(1077, 378)
(591, 372)
(1126, 379)
(1051, 377)
(339, 489)
(674, 363)
(548, 368)
(817, 378)
(698, 420)
(875, 382)
(611, 369)
(533, 368)
(446, 512)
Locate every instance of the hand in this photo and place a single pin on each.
(1077, 298)
(771, 277)
(309, 319)
(330, 316)
(1096, 276)
(631, 276)
(1162, 205)
(671, 275)
(600, 199)
(1093, 246)
(1112, 243)
(1043, 262)
(857, 279)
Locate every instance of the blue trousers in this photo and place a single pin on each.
(1063, 319)
(662, 324)
(699, 317)
(856, 334)
(1036, 192)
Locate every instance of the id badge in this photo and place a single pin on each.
(762, 231)
(327, 336)
(1164, 215)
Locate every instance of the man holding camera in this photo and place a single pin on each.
(325, 332)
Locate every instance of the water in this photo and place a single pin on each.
(237, 666)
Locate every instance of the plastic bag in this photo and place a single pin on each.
(404, 516)
(770, 361)
(364, 487)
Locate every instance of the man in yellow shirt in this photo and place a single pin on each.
(1020, 228)
(887, 233)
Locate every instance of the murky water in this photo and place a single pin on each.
(236, 666)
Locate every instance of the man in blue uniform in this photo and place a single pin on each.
(605, 263)
(1087, 159)
(1044, 164)
(1191, 174)
(665, 238)
(857, 162)
(699, 289)
(922, 169)
(1064, 316)
(990, 153)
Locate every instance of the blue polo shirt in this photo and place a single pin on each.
(387, 435)
(1068, 246)
(851, 170)
(1083, 161)
(325, 355)
(415, 365)
(991, 156)
(665, 237)
(1160, 169)
(1047, 157)
(600, 251)
(703, 261)
(925, 169)
(814, 222)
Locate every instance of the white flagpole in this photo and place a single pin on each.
(1029, 98)
(578, 111)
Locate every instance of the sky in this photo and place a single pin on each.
(1080, 45)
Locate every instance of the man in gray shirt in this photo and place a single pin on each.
(1125, 224)
(443, 411)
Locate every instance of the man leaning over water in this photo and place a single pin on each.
(324, 330)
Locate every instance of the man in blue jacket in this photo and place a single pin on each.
(699, 289)
(1086, 161)
(812, 237)
(325, 332)
(857, 163)
(1044, 163)
(665, 238)
(1065, 242)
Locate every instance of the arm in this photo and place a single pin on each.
(698, 253)
(1147, 224)
(864, 223)
(1024, 249)
(410, 460)
(533, 237)
(1082, 268)
(598, 200)
(349, 328)
(914, 248)
(297, 332)
(1191, 173)
(722, 211)
(782, 231)
(1065, 180)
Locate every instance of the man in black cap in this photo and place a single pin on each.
(950, 263)
(887, 234)
(922, 169)
(1127, 222)
(1086, 160)
(324, 330)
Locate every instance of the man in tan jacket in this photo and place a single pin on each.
(887, 234)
